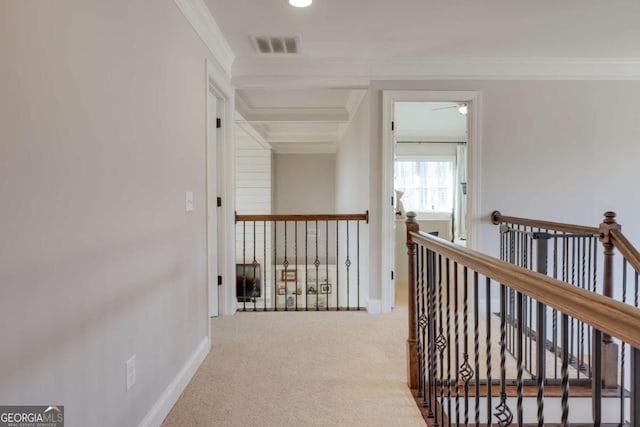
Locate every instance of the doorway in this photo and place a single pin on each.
(429, 172)
(435, 152)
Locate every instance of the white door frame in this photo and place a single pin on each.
(225, 174)
(389, 98)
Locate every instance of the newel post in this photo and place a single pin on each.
(609, 348)
(412, 341)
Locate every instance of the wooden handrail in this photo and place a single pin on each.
(497, 218)
(613, 317)
(301, 217)
(627, 250)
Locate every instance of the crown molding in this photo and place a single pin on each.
(304, 148)
(251, 131)
(297, 115)
(254, 72)
(199, 16)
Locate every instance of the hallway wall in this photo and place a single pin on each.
(103, 130)
(304, 183)
(557, 150)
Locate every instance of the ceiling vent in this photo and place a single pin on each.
(278, 45)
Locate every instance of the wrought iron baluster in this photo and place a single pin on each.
(448, 305)
(456, 328)
(476, 344)
(285, 264)
(254, 292)
(316, 263)
(425, 274)
(358, 265)
(432, 334)
(295, 251)
(441, 341)
(337, 269)
(541, 327)
(466, 372)
(554, 345)
(503, 414)
(326, 262)
(488, 351)
(275, 262)
(306, 263)
(564, 400)
(244, 266)
(264, 271)
(347, 263)
(419, 314)
(623, 346)
(520, 351)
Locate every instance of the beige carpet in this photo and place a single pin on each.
(302, 369)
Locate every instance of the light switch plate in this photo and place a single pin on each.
(130, 370)
(189, 201)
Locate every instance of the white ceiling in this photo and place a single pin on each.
(429, 122)
(346, 42)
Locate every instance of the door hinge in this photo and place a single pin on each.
(219, 280)
(218, 123)
(391, 274)
(393, 125)
(218, 201)
(392, 201)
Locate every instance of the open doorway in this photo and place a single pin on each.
(430, 172)
(429, 146)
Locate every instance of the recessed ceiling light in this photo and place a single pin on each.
(300, 3)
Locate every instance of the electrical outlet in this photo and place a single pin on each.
(131, 371)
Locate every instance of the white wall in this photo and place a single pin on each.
(352, 182)
(253, 175)
(304, 183)
(102, 111)
(557, 150)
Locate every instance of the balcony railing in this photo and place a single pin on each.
(470, 356)
(299, 262)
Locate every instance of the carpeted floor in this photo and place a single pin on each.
(302, 369)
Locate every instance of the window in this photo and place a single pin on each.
(427, 184)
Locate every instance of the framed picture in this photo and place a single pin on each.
(325, 288)
(288, 275)
(282, 290)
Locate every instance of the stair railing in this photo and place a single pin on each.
(453, 329)
(299, 262)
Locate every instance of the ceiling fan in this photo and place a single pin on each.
(461, 106)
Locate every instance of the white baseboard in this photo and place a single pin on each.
(374, 306)
(170, 396)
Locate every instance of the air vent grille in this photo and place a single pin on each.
(278, 45)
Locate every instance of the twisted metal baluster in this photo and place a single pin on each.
(264, 257)
(565, 371)
(448, 281)
(488, 349)
(295, 250)
(441, 341)
(466, 372)
(432, 349)
(554, 346)
(476, 344)
(422, 321)
(623, 346)
(255, 266)
(456, 327)
(503, 413)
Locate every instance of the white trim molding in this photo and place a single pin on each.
(260, 72)
(202, 21)
(374, 306)
(389, 98)
(170, 396)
